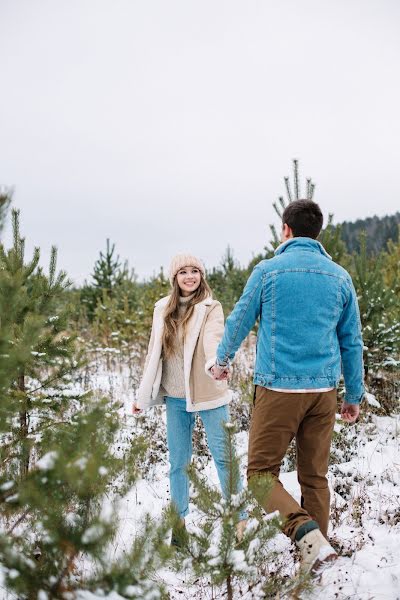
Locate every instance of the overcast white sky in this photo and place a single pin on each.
(168, 125)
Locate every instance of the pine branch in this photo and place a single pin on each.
(30, 267)
(15, 227)
(53, 266)
(18, 521)
(296, 178)
(277, 210)
(53, 379)
(288, 191)
(309, 188)
(71, 554)
(5, 201)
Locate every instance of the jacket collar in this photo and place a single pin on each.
(164, 301)
(302, 243)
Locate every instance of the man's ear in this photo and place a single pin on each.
(287, 232)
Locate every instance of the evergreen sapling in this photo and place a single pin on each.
(216, 551)
(56, 453)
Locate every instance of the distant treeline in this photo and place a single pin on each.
(379, 231)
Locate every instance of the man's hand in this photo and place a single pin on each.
(350, 412)
(135, 409)
(219, 373)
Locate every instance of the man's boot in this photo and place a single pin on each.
(315, 551)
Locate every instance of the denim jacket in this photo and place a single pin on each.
(309, 327)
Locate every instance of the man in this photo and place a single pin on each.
(309, 331)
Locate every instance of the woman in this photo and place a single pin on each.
(187, 327)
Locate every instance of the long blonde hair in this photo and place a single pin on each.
(172, 318)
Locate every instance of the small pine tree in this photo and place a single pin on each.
(330, 237)
(108, 272)
(111, 279)
(228, 280)
(391, 264)
(60, 514)
(133, 575)
(212, 550)
(121, 321)
(379, 309)
(292, 193)
(151, 291)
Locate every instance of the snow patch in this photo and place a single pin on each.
(92, 534)
(371, 399)
(48, 461)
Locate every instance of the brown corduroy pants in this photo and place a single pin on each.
(277, 418)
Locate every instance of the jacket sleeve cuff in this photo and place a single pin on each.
(353, 399)
(222, 363)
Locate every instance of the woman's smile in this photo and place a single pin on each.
(188, 285)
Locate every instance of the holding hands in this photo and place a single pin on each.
(219, 373)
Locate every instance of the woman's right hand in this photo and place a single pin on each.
(135, 409)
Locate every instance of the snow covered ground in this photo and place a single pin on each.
(365, 485)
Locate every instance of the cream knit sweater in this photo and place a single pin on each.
(172, 380)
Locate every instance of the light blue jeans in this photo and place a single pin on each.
(180, 424)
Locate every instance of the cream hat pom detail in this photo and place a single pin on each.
(184, 260)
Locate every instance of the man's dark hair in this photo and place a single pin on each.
(304, 217)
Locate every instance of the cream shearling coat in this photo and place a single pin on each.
(203, 334)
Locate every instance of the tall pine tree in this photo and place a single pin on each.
(35, 307)
(56, 454)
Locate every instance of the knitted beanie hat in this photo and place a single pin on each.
(184, 260)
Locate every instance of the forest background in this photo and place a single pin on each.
(67, 457)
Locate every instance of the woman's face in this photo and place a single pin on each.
(188, 280)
